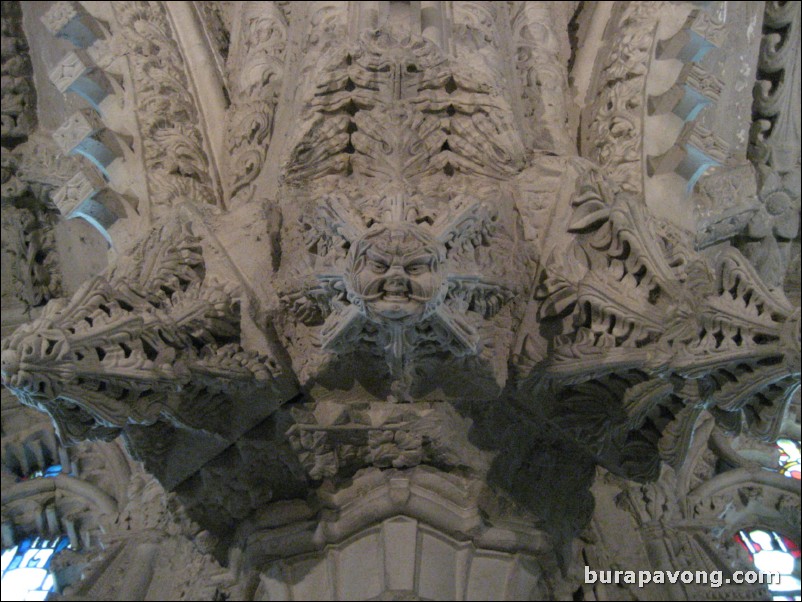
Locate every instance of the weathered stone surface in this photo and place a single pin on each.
(390, 284)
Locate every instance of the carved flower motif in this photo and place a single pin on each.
(775, 224)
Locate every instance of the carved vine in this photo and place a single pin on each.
(18, 95)
(172, 145)
(613, 123)
(29, 240)
(255, 71)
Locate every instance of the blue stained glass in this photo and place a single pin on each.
(52, 471)
(26, 568)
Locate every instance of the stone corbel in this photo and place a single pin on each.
(87, 196)
(69, 21)
(694, 90)
(695, 151)
(85, 134)
(700, 34)
(77, 73)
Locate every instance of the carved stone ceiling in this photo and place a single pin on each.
(354, 235)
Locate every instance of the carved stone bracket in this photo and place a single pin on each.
(651, 334)
(694, 90)
(695, 151)
(69, 20)
(702, 32)
(85, 134)
(151, 340)
(78, 74)
(87, 195)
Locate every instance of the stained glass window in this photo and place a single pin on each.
(26, 568)
(47, 473)
(771, 552)
(789, 458)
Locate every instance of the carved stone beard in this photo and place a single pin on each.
(394, 274)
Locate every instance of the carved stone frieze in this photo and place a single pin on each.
(255, 69)
(173, 150)
(774, 146)
(334, 439)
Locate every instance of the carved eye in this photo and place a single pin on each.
(377, 267)
(415, 269)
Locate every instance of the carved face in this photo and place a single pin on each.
(394, 273)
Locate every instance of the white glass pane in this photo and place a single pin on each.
(788, 583)
(774, 562)
(28, 557)
(762, 539)
(17, 583)
(8, 556)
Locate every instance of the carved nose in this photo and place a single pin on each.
(396, 281)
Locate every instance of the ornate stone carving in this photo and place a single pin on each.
(41, 166)
(644, 320)
(18, 95)
(28, 239)
(477, 318)
(398, 293)
(255, 74)
(543, 75)
(77, 73)
(335, 439)
(84, 133)
(774, 145)
(726, 201)
(172, 145)
(612, 127)
(390, 275)
(148, 340)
